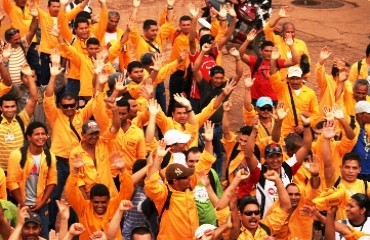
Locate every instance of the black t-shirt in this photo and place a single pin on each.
(207, 93)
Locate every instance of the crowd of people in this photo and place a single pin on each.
(89, 148)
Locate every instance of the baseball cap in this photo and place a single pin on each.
(362, 107)
(90, 126)
(34, 217)
(294, 72)
(174, 136)
(177, 170)
(273, 148)
(202, 229)
(146, 58)
(262, 101)
(207, 38)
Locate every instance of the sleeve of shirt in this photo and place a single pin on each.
(206, 113)
(87, 110)
(63, 25)
(248, 116)
(354, 235)
(277, 84)
(3, 194)
(166, 71)
(229, 144)
(206, 160)
(126, 189)
(101, 26)
(71, 53)
(25, 118)
(141, 146)
(73, 13)
(275, 220)
(269, 33)
(74, 196)
(52, 177)
(14, 171)
(134, 36)
(50, 109)
(163, 121)
(4, 89)
(164, 33)
(156, 190)
(321, 76)
(100, 113)
(7, 6)
(314, 110)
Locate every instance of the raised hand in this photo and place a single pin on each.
(343, 74)
(76, 160)
(153, 107)
(26, 70)
(242, 174)
(103, 76)
(116, 160)
(7, 51)
(33, 10)
(223, 12)
(208, 131)
(136, 3)
(248, 81)
(22, 215)
(170, 3)
(125, 205)
(329, 115)
(283, 12)
(206, 47)
(325, 53)
(340, 64)
(99, 235)
(227, 106)
(183, 55)
(53, 30)
(337, 112)
(53, 235)
(76, 229)
(234, 52)
(328, 130)
(271, 175)
(229, 87)
(55, 58)
(157, 62)
(204, 179)
(63, 208)
(213, 12)
(182, 101)
(231, 10)
(252, 35)
(147, 88)
(305, 117)
(194, 11)
(161, 149)
(280, 111)
(312, 166)
(275, 53)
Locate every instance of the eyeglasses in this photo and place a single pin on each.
(250, 213)
(66, 106)
(265, 109)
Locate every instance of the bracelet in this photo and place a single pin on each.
(306, 126)
(169, 8)
(316, 175)
(222, 19)
(188, 111)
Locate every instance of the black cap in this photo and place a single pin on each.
(147, 58)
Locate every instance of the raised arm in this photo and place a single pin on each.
(34, 23)
(226, 91)
(194, 12)
(327, 134)
(153, 108)
(243, 48)
(302, 152)
(276, 18)
(250, 158)
(186, 103)
(4, 72)
(279, 114)
(222, 42)
(284, 200)
(31, 84)
(248, 83)
(114, 223)
(55, 70)
(339, 115)
(238, 65)
(198, 62)
(295, 57)
(226, 120)
(22, 215)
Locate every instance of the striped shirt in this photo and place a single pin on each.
(11, 136)
(16, 61)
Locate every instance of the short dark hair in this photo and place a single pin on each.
(216, 69)
(140, 231)
(266, 44)
(368, 50)
(351, 156)
(292, 140)
(192, 150)
(79, 20)
(132, 65)
(68, 96)
(149, 22)
(246, 200)
(99, 190)
(206, 38)
(185, 18)
(10, 32)
(92, 41)
(362, 201)
(33, 125)
(123, 103)
(203, 29)
(50, 1)
(335, 70)
(177, 105)
(8, 97)
(362, 82)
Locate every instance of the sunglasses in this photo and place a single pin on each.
(265, 109)
(250, 213)
(13, 32)
(273, 149)
(66, 106)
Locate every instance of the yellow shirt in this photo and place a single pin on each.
(305, 101)
(354, 74)
(3, 194)
(233, 163)
(84, 209)
(59, 122)
(19, 19)
(4, 89)
(180, 41)
(17, 177)
(11, 136)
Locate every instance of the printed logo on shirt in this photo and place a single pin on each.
(34, 171)
(200, 194)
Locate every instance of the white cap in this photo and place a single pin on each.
(204, 23)
(202, 229)
(294, 72)
(362, 107)
(174, 136)
(364, 238)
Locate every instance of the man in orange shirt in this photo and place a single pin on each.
(32, 174)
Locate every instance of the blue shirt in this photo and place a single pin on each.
(362, 148)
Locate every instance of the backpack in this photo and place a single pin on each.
(149, 209)
(24, 150)
(359, 65)
(338, 181)
(20, 122)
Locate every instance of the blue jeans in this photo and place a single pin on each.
(44, 214)
(217, 147)
(33, 59)
(45, 69)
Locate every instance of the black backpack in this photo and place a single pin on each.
(24, 150)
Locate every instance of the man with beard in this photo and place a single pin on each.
(32, 174)
(252, 226)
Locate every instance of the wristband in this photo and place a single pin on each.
(306, 126)
(316, 175)
(188, 111)
(221, 19)
(169, 8)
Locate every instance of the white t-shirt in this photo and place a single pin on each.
(31, 184)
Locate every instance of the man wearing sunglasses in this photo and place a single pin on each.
(250, 224)
(65, 119)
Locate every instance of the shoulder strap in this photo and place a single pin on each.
(234, 152)
(337, 182)
(359, 65)
(256, 66)
(24, 151)
(365, 183)
(20, 122)
(48, 156)
(74, 130)
(288, 170)
(152, 45)
(293, 106)
(166, 205)
(166, 160)
(266, 228)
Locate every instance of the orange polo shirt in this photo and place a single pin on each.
(4, 89)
